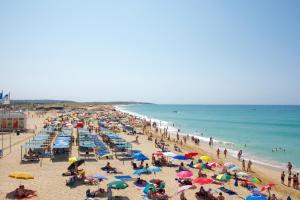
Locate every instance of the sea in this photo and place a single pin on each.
(267, 134)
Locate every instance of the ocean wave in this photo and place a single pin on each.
(231, 147)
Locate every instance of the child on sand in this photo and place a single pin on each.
(218, 153)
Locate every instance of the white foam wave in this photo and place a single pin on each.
(231, 147)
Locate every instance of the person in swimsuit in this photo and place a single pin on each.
(282, 177)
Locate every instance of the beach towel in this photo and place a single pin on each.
(230, 192)
(125, 177)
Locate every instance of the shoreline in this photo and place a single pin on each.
(204, 140)
(267, 174)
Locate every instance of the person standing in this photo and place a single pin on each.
(225, 152)
(218, 153)
(249, 166)
(295, 181)
(239, 155)
(282, 177)
(289, 179)
(244, 165)
(289, 166)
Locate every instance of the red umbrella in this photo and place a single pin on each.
(202, 181)
(267, 187)
(191, 154)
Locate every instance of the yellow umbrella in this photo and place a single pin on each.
(73, 159)
(205, 158)
(21, 175)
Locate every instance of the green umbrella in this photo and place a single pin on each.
(223, 177)
(117, 185)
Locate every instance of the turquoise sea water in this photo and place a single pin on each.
(261, 128)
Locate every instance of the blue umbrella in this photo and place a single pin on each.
(256, 197)
(136, 151)
(141, 157)
(137, 155)
(180, 157)
(140, 171)
(154, 169)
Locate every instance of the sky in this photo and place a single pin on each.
(176, 52)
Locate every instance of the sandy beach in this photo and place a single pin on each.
(50, 184)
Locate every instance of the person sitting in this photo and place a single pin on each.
(72, 180)
(140, 182)
(93, 194)
(141, 166)
(185, 181)
(134, 166)
(201, 193)
(181, 167)
(21, 192)
(220, 197)
(108, 168)
(191, 164)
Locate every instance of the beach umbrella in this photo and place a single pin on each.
(224, 177)
(137, 155)
(198, 166)
(72, 159)
(141, 157)
(202, 181)
(256, 197)
(235, 168)
(205, 158)
(76, 163)
(148, 187)
(169, 154)
(159, 153)
(191, 154)
(243, 174)
(229, 165)
(180, 157)
(99, 177)
(153, 169)
(268, 186)
(136, 151)
(214, 164)
(140, 171)
(117, 185)
(253, 180)
(184, 174)
(183, 188)
(21, 175)
(107, 155)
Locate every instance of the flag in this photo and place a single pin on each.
(1, 94)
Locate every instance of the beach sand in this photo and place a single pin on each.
(50, 184)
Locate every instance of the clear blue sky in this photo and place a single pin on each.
(207, 52)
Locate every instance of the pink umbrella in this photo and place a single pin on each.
(183, 188)
(214, 164)
(184, 174)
